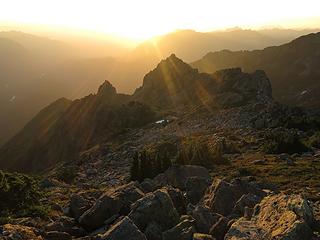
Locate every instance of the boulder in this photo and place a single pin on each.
(154, 207)
(153, 231)
(196, 188)
(278, 216)
(223, 196)
(127, 194)
(248, 200)
(105, 207)
(178, 199)
(148, 185)
(177, 175)
(110, 204)
(79, 203)
(123, 230)
(204, 218)
(65, 224)
(182, 231)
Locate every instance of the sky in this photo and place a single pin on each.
(142, 19)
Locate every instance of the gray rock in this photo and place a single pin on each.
(123, 230)
(247, 200)
(104, 208)
(196, 188)
(204, 218)
(154, 207)
(153, 231)
(110, 204)
(178, 199)
(223, 195)
(79, 203)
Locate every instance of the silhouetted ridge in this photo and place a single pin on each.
(174, 83)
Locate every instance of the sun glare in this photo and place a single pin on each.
(142, 19)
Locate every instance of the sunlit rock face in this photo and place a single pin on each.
(174, 83)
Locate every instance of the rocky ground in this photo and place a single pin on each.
(251, 194)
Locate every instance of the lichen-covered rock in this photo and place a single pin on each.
(18, 232)
(123, 230)
(154, 207)
(278, 216)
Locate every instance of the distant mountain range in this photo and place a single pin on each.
(35, 71)
(294, 68)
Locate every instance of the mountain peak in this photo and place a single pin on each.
(106, 89)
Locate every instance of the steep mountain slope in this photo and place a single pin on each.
(64, 129)
(293, 68)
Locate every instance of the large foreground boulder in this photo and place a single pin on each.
(177, 175)
(110, 204)
(224, 196)
(123, 230)
(155, 207)
(276, 217)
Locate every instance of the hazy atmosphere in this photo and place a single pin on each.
(159, 120)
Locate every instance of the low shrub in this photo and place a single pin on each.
(20, 196)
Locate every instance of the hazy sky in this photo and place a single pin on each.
(140, 19)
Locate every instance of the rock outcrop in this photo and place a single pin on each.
(276, 217)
